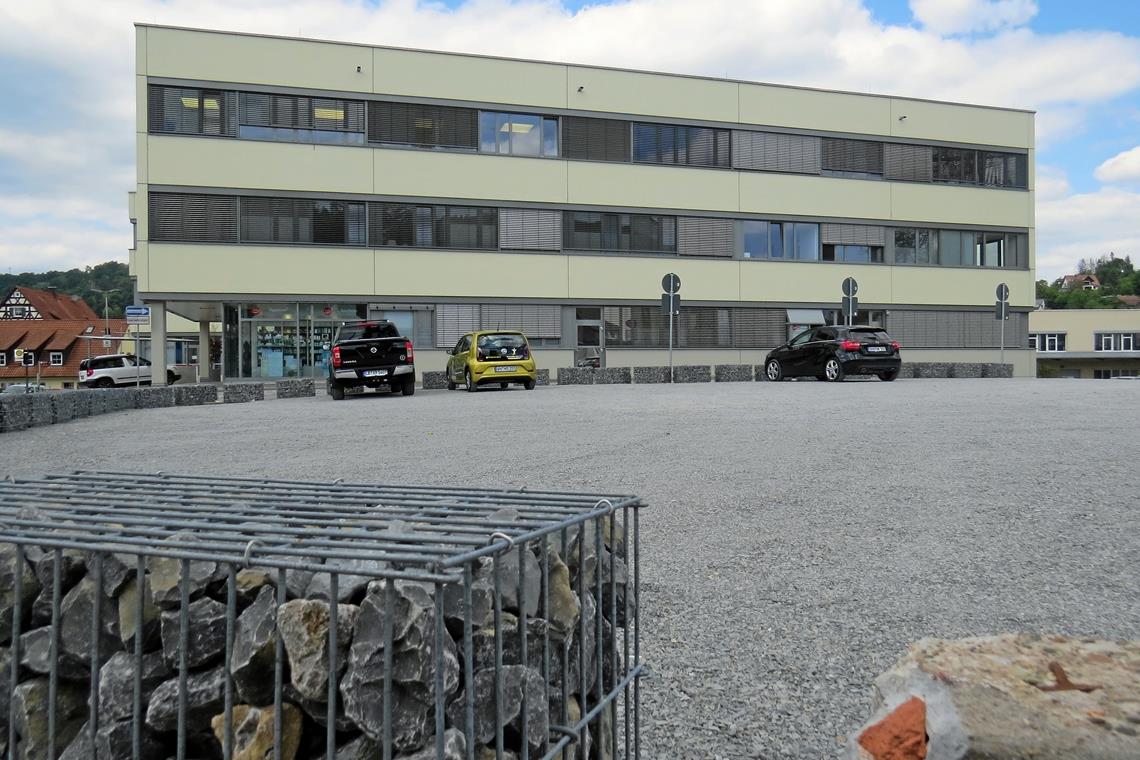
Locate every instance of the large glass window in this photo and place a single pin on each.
(404, 224)
(781, 240)
(755, 238)
(300, 220)
(596, 231)
(296, 118)
(518, 134)
(916, 246)
(866, 254)
(989, 249)
(806, 241)
(1103, 341)
(955, 165)
(672, 144)
(423, 126)
(190, 110)
(955, 248)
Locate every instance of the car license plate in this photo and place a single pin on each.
(504, 369)
(375, 372)
(876, 349)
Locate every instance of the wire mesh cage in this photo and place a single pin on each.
(156, 615)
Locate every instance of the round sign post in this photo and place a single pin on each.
(671, 284)
(1002, 314)
(850, 288)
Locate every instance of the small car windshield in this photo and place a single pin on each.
(505, 340)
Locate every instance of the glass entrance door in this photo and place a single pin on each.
(589, 350)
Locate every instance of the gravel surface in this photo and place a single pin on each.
(798, 534)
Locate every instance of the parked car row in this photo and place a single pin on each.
(373, 354)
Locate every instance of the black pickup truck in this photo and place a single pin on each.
(371, 354)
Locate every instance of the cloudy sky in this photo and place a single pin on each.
(66, 66)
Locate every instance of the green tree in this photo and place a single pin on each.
(110, 275)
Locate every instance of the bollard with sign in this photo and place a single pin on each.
(671, 303)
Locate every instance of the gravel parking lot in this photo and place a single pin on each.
(799, 535)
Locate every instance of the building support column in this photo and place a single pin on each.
(203, 350)
(157, 342)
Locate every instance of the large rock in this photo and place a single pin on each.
(28, 592)
(561, 648)
(117, 683)
(206, 633)
(454, 747)
(563, 605)
(508, 568)
(304, 628)
(250, 582)
(253, 731)
(513, 680)
(113, 741)
(31, 717)
(165, 575)
(350, 584)
(482, 602)
(205, 698)
(75, 623)
(35, 655)
(127, 604)
(255, 644)
(413, 666)
(996, 698)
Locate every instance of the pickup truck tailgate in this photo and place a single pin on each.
(374, 352)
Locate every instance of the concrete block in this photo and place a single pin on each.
(195, 395)
(305, 387)
(543, 377)
(15, 412)
(155, 398)
(734, 373)
(576, 376)
(692, 374)
(612, 376)
(435, 381)
(240, 393)
(650, 374)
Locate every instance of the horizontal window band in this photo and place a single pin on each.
(617, 115)
(513, 204)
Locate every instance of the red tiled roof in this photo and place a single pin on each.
(1130, 301)
(56, 305)
(56, 335)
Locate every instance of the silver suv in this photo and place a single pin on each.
(118, 369)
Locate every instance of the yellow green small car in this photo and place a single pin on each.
(490, 357)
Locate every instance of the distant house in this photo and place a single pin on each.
(60, 330)
(1080, 282)
(1131, 302)
(1088, 343)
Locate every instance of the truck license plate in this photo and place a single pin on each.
(375, 372)
(504, 369)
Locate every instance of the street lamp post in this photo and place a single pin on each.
(106, 320)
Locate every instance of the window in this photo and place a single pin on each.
(957, 165)
(423, 126)
(302, 220)
(1116, 341)
(852, 157)
(19, 312)
(1047, 342)
(755, 236)
(989, 249)
(518, 134)
(915, 246)
(190, 111)
(3, 359)
(1004, 170)
(671, 144)
(55, 358)
(866, 254)
(595, 139)
(193, 218)
(408, 225)
(781, 240)
(297, 118)
(1106, 374)
(862, 317)
(597, 231)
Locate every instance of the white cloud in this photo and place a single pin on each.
(1123, 167)
(959, 16)
(84, 159)
(1085, 225)
(1051, 183)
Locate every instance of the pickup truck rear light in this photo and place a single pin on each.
(336, 356)
(850, 345)
(408, 350)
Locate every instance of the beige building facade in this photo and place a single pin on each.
(285, 185)
(1096, 344)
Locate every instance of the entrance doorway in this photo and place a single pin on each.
(589, 349)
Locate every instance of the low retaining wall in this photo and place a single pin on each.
(300, 388)
(15, 412)
(543, 377)
(692, 374)
(153, 398)
(576, 376)
(435, 381)
(195, 395)
(955, 369)
(1006, 697)
(734, 373)
(650, 374)
(240, 393)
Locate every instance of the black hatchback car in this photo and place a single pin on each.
(832, 353)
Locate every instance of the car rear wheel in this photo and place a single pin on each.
(529, 385)
(886, 377)
(773, 371)
(833, 370)
(409, 387)
(336, 390)
(469, 382)
(104, 382)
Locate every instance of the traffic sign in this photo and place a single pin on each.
(1001, 310)
(671, 303)
(18, 354)
(850, 306)
(671, 283)
(850, 287)
(1003, 292)
(137, 315)
(28, 359)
